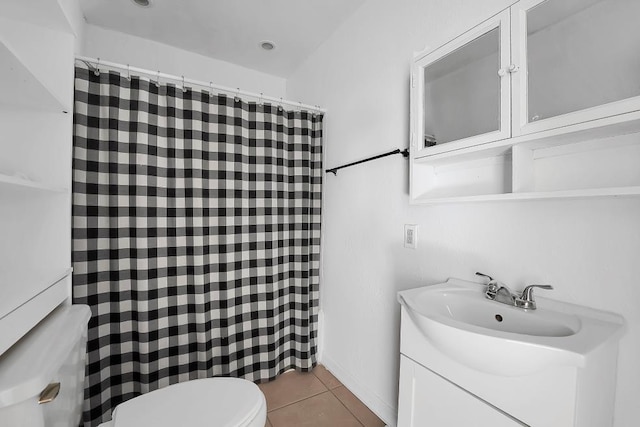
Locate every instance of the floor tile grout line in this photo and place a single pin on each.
(343, 404)
(327, 389)
(323, 383)
(331, 388)
(298, 401)
(333, 394)
(340, 400)
(304, 398)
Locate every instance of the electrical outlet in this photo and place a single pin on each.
(410, 236)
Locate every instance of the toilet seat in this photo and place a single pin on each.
(222, 402)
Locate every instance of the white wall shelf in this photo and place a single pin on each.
(22, 89)
(593, 159)
(34, 73)
(566, 194)
(36, 83)
(25, 285)
(50, 14)
(581, 142)
(18, 317)
(620, 124)
(14, 183)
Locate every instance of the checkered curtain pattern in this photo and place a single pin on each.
(196, 236)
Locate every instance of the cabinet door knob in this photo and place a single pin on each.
(513, 68)
(49, 393)
(502, 72)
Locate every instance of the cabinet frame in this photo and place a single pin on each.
(499, 21)
(520, 122)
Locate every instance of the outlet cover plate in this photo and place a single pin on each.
(411, 236)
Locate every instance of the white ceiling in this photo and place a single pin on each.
(229, 30)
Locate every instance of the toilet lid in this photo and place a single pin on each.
(223, 402)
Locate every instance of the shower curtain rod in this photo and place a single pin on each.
(334, 171)
(97, 63)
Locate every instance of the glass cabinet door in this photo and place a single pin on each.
(579, 60)
(462, 90)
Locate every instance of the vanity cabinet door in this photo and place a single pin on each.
(461, 91)
(578, 61)
(426, 399)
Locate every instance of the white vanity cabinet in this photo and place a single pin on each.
(465, 384)
(36, 103)
(542, 100)
(427, 399)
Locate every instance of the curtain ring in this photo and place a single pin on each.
(211, 90)
(280, 108)
(157, 82)
(184, 88)
(260, 101)
(128, 72)
(237, 98)
(97, 70)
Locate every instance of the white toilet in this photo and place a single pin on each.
(223, 402)
(48, 364)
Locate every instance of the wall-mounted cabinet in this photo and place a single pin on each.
(36, 82)
(460, 100)
(492, 108)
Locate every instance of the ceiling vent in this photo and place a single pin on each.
(267, 45)
(142, 3)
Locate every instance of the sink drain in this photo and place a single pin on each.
(498, 318)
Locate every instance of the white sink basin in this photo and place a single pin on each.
(496, 338)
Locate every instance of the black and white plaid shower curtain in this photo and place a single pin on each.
(196, 236)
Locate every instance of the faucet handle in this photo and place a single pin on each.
(492, 286)
(526, 299)
(484, 275)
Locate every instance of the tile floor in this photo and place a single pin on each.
(314, 399)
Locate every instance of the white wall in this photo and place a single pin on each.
(138, 52)
(588, 249)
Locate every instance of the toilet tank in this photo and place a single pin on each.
(54, 351)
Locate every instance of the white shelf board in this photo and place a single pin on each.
(491, 149)
(20, 320)
(21, 88)
(617, 125)
(432, 198)
(10, 182)
(577, 138)
(25, 284)
(46, 13)
(583, 193)
(621, 124)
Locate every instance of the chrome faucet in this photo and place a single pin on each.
(526, 299)
(497, 291)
